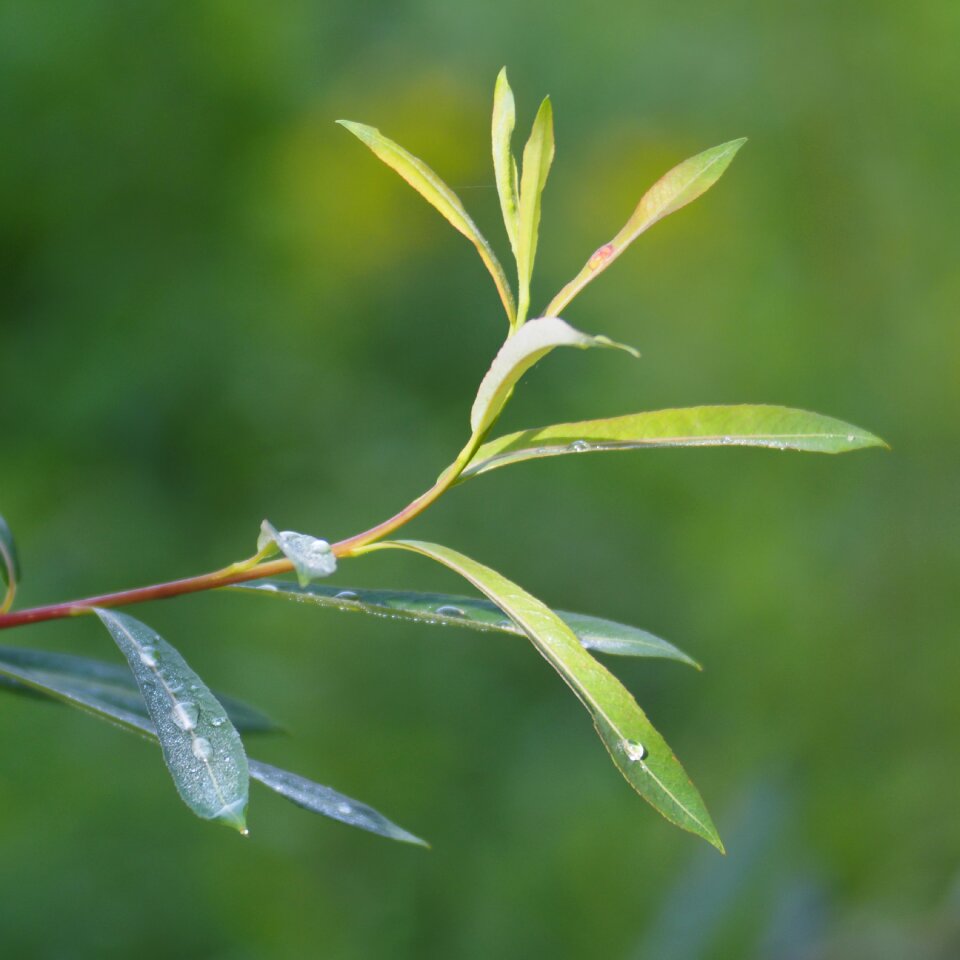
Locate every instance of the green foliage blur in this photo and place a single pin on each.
(216, 306)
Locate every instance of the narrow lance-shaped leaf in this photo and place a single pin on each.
(113, 683)
(438, 195)
(531, 342)
(504, 164)
(329, 803)
(9, 566)
(537, 158)
(309, 795)
(683, 184)
(201, 747)
(745, 425)
(452, 610)
(637, 749)
(311, 558)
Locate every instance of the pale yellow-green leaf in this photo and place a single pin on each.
(683, 184)
(517, 355)
(504, 163)
(440, 196)
(537, 158)
(741, 425)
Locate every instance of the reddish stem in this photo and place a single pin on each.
(222, 578)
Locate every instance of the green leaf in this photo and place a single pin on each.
(518, 354)
(594, 633)
(311, 558)
(537, 158)
(745, 425)
(329, 803)
(114, 684)
(639, 752)
(504, 164)
(683, 184)
(201, 747)
(438, 195)
(9, 566)
(304, 793)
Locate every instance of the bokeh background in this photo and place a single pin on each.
(217, 306)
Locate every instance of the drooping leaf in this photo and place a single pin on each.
(114, 684)
(537, 158)
(299, 790)
(9, 566)
(504, 164)
(311, 558)
(594, 633)
(637, 749)
(438, 195)
(201, 747)
(744, 425)
(683, 184)
(329, 803)
(531, 342)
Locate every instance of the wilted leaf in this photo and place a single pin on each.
(594, 633)
(440, 196)
(746, 425)
(201, 747)
(531, 342)
(639, 752)
(674, 190)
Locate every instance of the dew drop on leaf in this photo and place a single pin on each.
(449, 611)
(202, 749)
(634, 750)
(346, 595)
(185, 715)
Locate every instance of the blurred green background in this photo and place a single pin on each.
(217, 306)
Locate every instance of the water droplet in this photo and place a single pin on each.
(344, 808)
(185, 715)
(579, 446)
(448, 611)
(850, 438)
(147, 657)
(202, 748)
(634, 750)
(346, 595)
(269, 587)
(217, 721)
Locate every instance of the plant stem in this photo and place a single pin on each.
(245, 570)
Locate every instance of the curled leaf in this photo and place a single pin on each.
(532, 342)
(311, 558)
